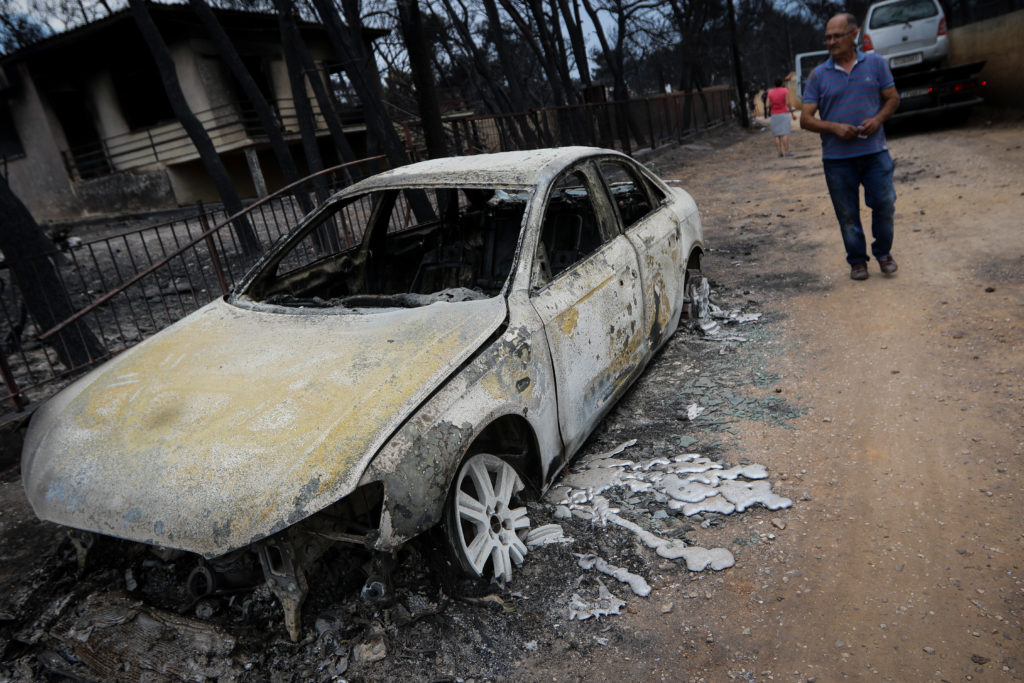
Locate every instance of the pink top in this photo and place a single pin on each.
(777, 98)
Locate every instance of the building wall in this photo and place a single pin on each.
(998, 41)
(156, 167)
(189, 76)
(39, 178)
(110, 120)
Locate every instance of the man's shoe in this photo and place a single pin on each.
(859, 271)
(887, 264)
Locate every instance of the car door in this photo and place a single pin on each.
(652, 228)
(587, 291)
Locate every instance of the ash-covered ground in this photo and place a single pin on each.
(638, 507)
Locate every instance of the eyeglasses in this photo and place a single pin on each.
(832, 37)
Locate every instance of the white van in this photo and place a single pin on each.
(909, 33)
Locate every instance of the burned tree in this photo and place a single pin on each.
(190, 122)
(625, 13)
(347, 42)
(300, 100)
(411, 24)
(252, 92)
(326, 106)
(31, 255)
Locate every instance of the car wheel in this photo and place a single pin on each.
(484, 526)
(698, 293)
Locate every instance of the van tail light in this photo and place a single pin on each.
(942, 27)
(868, 46)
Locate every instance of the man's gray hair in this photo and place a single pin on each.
(851, 20)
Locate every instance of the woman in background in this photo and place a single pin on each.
(782, 115)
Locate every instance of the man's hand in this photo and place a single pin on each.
(869, 126)
(844, 130)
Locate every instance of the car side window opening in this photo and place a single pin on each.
(571, 230)
(630, 192)
(400, 248)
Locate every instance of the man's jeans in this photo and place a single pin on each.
(844, 178)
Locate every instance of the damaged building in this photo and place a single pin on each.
(86, 128)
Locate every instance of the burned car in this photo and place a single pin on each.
(426, 347)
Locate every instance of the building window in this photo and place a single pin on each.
(141, 95)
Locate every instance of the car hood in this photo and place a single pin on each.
(233, 423)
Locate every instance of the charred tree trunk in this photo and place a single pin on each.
(550, 66)
(411, 24)
(207, 151)
(554, 50)
(576, 39)
(303, 112)
(348, 44)
(300, 99)
(620, 93)
(252, 92)
(326, 105)
(478, 58)
(491, 91)
(30, 255)
(505, 57)
(737, 68)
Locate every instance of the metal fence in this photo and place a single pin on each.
(639, 123)
(130, 285)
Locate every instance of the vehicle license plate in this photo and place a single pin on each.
(913, 92)
(905, 60)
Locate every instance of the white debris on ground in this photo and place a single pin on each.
(546, 535)
(693, 411)
(691, 482)
(708, 324)
(636, 583)
(734, 316)
(688, 482)
(581, 609)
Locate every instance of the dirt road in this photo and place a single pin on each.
(903, 556)
(889, 412)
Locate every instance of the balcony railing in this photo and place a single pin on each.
(229, 126)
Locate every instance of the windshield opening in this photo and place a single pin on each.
(397, 248)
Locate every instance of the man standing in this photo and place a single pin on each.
(854, 94)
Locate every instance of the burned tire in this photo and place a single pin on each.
(485, 525)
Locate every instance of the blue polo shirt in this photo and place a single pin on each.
(850, 98)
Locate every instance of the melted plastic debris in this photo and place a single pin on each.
(697, 559)
(547, 535)
(603, 604)
(636, 583)
(691, 484)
